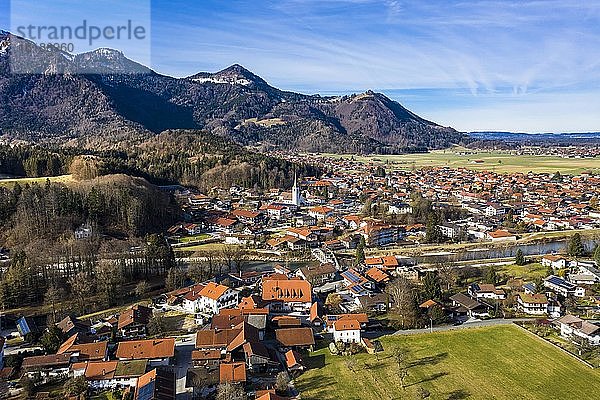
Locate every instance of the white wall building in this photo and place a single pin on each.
(347, 331)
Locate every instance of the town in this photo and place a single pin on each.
(262, 281)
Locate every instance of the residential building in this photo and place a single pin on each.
(578, 330)
(560, 286)
(346, 330)
(532, 304)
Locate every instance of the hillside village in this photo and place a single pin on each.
(251, 330)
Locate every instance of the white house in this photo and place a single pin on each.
(214, 297)
(112, 374)
(556, 262)
(346, 330)
(577, 329)
(560, 286)
(486, 291)
(400, 208)
(191, 300)
(320, 212)
(533, 304)
(501, 236)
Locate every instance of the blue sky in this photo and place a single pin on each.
(530, 66)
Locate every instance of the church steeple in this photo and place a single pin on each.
(296, 199)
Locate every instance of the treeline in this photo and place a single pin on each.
(192, 158)
(116, 204)
(90, 273)
(33, 161)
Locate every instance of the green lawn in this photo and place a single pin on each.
(500, 362)
(187, 239)
(502, 162)
(527, 272)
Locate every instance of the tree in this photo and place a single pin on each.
(576, 248)
(401, 358)
(433, 234)
(351, 363)
(490, 275)
(53, 296)
(109, 279)
(520, 258)
(157, 325)
(597, 255)
(230, 391)
(82, 287)
(27, 384)
(447, 274)
(282, 382)
(404, 298)
(51, 339)
(333, 301)
(431, 286)
(175, 278)
(141, 288)
(75, 386)
(360, 251)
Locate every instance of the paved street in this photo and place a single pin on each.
(184, 346)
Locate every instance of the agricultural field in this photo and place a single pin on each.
(500, 162)
(500, 362)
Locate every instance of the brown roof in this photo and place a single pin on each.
(46, 361)
(201, 355)
(67, 344)
(225, 321)
(360, 317)
(346, 325)
(136, 314)
(269, 396)
(292, 358)
(101, 370)
(285, 321)
(213, 290)
(68, 323)
(87, 351)
(146, 349)
(293, 290)
(314, 312)
(216, 338)
(234, 372)
(377, 275)
(295, 337)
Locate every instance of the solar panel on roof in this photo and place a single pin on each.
(146, 392)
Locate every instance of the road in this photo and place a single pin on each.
(184, 346)
(466, 325)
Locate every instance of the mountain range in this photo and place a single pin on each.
(101, 99)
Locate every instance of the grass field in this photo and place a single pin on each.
(196, 238)
(500, 162)
(9, 182)
(202, 247)
(527, 272)
(501, 362)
